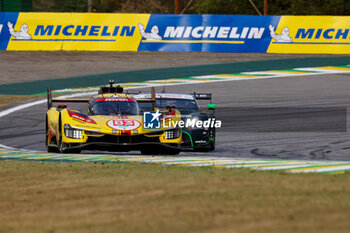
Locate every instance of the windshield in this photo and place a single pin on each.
(183, 105)
(115, 108)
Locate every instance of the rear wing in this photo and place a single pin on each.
(50, 100)
(202, 96)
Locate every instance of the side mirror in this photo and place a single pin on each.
(211, 108)
(61, 106)
(91, 111)
(170, 106)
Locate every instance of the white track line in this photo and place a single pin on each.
(23, 106)
(328, 169)
(20, 107)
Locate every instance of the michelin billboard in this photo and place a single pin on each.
(177, 33)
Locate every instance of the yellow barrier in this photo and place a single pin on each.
(177, 33)
(312, 34)
(78, 31)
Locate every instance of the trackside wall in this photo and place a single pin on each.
(176, 33)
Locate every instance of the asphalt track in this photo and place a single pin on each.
(25, 129)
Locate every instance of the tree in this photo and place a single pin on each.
(234, 7)
(276, 7)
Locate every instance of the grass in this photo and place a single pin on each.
(88, 197)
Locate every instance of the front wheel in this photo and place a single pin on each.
(50, 149)
(211, 146)
(63, 147)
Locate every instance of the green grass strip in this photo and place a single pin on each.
(259, 75)
(303, 71)
(347, 67)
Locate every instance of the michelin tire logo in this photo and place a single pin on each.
(283, 37)
(202, 32)
(22, 34)
(151, 120)
(153, 35)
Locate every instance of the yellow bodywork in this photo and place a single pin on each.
(58, 119)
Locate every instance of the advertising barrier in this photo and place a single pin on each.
(176, 33)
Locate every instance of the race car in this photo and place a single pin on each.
(113, 123)
(193, 138)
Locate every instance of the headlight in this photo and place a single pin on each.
(172, 134)
(72, 133)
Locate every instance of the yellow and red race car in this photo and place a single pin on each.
(113, 123)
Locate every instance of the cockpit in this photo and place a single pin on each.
(114, 106)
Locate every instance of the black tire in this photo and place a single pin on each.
(211, 146)
(52, 149)
(59, 139)
(63, 147)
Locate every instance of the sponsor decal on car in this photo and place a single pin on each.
(123, 124)
(80, 117)
(166, 96)
(114, 99)
(200, 142)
